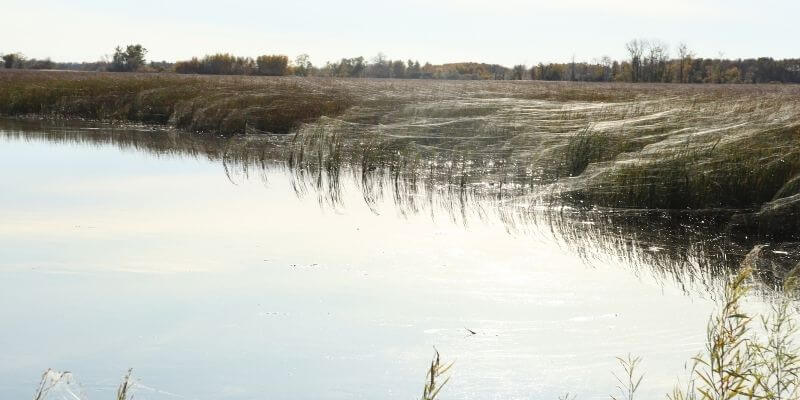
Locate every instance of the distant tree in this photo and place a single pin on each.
(358, 67)
(718, 70)
(413, 70)
(398, 69)
(272, 65)
(380, 68)
(607, 68)
(217, 64)
(428, 70)
(302, 65)
(188, 67)
(616, 71)
(649, 62)
(13, 60)
(347, 68)
(684, 55)
(160, 66)
(635, 50)
(656, 62)
(541, 70)
(128, 60)
(518, 72)
(40, 64)
(732, 75)
(344, 68)
(572, 69)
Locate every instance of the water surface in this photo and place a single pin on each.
(126, 250)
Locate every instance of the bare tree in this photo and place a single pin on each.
(572, 69)
(518, 72)
(718, 67)
(636, 49)
(302, 65)
(606, 62)
(657, 55)
(685, 55)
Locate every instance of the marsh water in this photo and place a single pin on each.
(217, 272)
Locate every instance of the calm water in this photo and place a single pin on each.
(215, 284)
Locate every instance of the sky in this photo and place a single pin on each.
(506, 32)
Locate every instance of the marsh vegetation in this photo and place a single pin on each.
(724, 156)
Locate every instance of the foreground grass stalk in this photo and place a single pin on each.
(630, 381)
(740, 364)
(433, 380)
(778, 357)
(49, 379)
(125, 388)
(725, 370)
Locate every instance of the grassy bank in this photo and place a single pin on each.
(224, 105)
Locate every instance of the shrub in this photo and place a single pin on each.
(217, 64)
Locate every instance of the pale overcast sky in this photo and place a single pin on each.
(505, 32)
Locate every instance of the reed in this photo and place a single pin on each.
(434, 380)
(630, 381)
(125, 389)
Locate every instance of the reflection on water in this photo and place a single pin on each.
(206, 264)
(684, 246)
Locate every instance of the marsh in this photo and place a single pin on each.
(531, 232)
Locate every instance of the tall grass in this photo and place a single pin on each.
(219, 105)
(584, 148)
(630, 381)
(125, 389)
(726, 369)
(434, 380)
(740, 362)
(48, 382)
(742, 174)
(51, 381)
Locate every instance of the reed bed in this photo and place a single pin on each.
(219, 105)
(631, 146)
(683, 247)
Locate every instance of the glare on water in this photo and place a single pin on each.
(215, 284)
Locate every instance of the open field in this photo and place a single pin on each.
(645, 146)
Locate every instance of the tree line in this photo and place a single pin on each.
(647, 61)
(650, 61)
